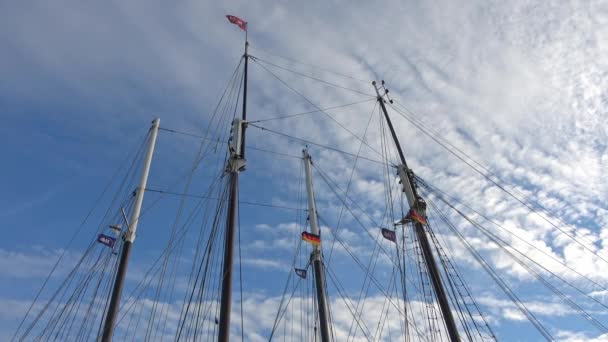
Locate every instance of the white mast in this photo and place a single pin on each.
(315, 256)
(129, 237)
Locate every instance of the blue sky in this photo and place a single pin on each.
(520, 85)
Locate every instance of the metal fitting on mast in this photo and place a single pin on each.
(235, 145)
(408, 184)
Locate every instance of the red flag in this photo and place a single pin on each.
(238, 22)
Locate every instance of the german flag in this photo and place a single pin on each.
(312, 238)
(416, 217)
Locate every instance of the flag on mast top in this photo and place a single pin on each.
(238, 22)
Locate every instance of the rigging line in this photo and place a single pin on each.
(342, 293)
(440, 194)
(311, 77)
(193, 281)
(316, 106)
(311, 65)
(372, 277)
(350, 178)
(60, 289)
(282, 310)
(218, 199)
(147, 278)
(389, 203)
(200, 156)
(223, 141)
(78, 230)
(205, 259)
(527, 198)
(315, 144)
(240, 269)
(382, 321)
(494, 275)
(503, 245)
(311, 111)
(60, 310)
(503, 188)
(545, 282)
(227, 107)
(467, 293)
(373, 262)
(455, 294)
(325, 178)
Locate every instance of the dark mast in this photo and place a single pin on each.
(236, 163)
(418, 206)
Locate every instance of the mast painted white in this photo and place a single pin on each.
(312, 208)
(129, 237)
(315, 256)
(143, 181)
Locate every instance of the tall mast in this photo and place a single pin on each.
(315, 256)
(129, 237)
(236, 163)
(418, 205)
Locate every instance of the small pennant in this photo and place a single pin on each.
(300, 272)
(106, 240)
(389, 234)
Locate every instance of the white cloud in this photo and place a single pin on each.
(520, 86)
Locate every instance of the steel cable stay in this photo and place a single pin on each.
(439, 193)
(388, 182)
(321, 172)
(588, 296)
(495, 277)
(230, 106)
(257, 59)
(73, 280)
(510, 251)
(170, 248)
(350, 178)
(289, 116)
(198, 283)
(427, 296)
(363, 292)
(312, 143)
(569, 234)
(87, 287)
(460, 293)
(466, 293)
(133, 156)
(155, 329)
(146, 281)
(283, 308)
(311, 65)
(347, 302)
(486, 171)
(333, 187)
(317, 107)
(63, 308)
(376, 282)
